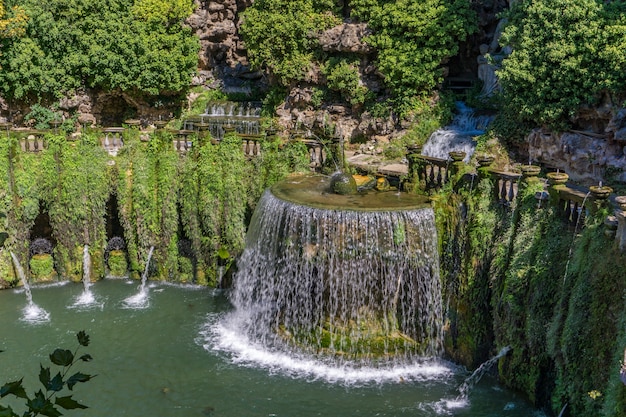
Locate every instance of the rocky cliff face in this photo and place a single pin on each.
(594, 152)
(222, 61)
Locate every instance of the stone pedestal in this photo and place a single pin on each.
(621, 228)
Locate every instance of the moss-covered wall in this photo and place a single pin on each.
(520, 276)
(203, 195)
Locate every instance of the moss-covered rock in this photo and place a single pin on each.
(117, 263)
(42, 268)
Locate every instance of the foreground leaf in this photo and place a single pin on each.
(14, 388)
(69, 404)
(86, 358)
(7, 412)
(62, 357)
(83, 338)
(76, 378)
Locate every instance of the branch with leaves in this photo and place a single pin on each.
(46, 402)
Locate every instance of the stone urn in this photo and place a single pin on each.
(530, 171)
(132, 122)
(485, 160)
(557, 178)
(160, 124)
(414, 149)
(600, 192)
(457, 156)
(621, 202)
(610, 226)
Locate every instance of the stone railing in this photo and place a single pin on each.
(506, 186)
(251, 145)
(34, 142)
(429, 172)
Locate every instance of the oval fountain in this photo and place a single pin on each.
(338, 286)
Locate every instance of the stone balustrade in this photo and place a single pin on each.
(34, 142)
(429, 172)
(251, 145)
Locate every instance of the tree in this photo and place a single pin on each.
(281, 35)
(565, 53)
(413, 38)
(111, 44)
(47, 403)
(13, 22)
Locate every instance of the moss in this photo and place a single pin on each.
(118, 266)
(42, 268)
(185, 269)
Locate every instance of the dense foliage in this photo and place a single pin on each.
(411, 39)
(137, 46)
(12, 21)
(280, 35)
(566, 53)
(517, 276)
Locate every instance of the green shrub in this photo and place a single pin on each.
(565, 54)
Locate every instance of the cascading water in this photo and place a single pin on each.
(457, 136)
(348, 288)
(140, 300)
(32, 312)
(244, 118)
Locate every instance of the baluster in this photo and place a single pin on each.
(439, 177)
(431, 176)
(256, 147)
(503, 191)
(512, 192)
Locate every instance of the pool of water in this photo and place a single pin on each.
(170, 355)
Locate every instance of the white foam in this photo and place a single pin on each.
(138, 301)
(34, 314)
(219, 334)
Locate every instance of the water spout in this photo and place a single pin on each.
(473, 379)
(140, 300)
(144, 276)
(22, 276)
(86, 298)
(32, 312)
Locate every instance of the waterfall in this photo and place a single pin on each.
(473, 379)
(32, 312)
(244, 118)
(458, 135)
(357, 288)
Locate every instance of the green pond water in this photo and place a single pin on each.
(170, 354)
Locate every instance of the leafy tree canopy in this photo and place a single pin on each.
(280, 35)
(565, 53)
(411, 37)
(414, 37)
(110, 44)
(12, 22)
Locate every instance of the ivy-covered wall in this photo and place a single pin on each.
(520, 276)
(203, 196)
